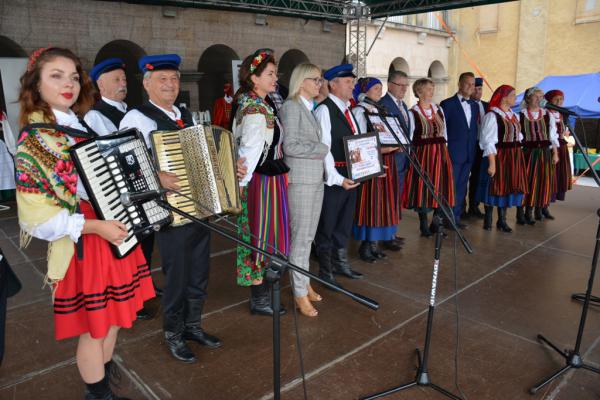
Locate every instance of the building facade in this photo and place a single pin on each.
(519, 43)
(206, 40)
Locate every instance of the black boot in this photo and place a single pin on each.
(546, 213)
(260, 300)
(538, 214)
(111, 370)
(487, 218)
(529, 216)
(364, 252)
(325, 267)
(173, 327)
(521, 216)
(192, 329)
(423, 225)
(392, 245)
(474, 211)
(376, 252)
(341, 266)
(501, 225)
(101, 391)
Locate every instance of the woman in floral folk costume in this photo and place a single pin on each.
(94, 294)
(264, 218)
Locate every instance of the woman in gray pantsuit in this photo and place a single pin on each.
(304, 154)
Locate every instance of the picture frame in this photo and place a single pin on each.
(363, 156)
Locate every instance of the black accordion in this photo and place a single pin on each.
(111, 165)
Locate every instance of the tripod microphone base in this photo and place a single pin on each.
(594, 300)
(422, 379)
(572, 359)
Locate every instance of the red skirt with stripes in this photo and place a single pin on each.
(540, 174)
(378, 202)
(435, 160)
(100, 291)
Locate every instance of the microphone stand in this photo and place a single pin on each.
(573, 358)
(422, 378)
(277, 267)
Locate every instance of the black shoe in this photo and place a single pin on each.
(487, 218)
(376, 252)
(392, 245)
(462, 226)
(111, 370)
(330, 279)
(197, 334)
(364, 252)
(260, 300)
(501, 225)
(521, 216)
(529, 216)
(341, 266)
(143, 315)
(546, 213)
(423, 225)
(538, 214)
(178, 347)
(158, 291)
(400, 240)
(193, 320)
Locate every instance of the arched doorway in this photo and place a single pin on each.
(436, 71)
(9, 48)
(215, 65)
(399, 64)
(287, 63)
(130, 53)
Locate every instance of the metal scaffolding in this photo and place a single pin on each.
(357, 15)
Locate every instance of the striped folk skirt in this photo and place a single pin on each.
(564, 177)
(541, 179)
(435, 160)
(378, 205)
(508, 186)
(263, 222)
(99, 290)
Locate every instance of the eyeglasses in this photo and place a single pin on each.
(317, 81)
(397, 84)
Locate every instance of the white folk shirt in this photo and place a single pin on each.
(324, 119)
(135, 119)
(99, 123)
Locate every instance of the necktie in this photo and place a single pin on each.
(463, 99)
(404, 114)
(349, 119)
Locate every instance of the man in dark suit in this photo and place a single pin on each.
(461, 125)
(393, 101)
(482, 107)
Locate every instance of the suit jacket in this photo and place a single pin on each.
(462, 138)
(392, 107)
(302, 148)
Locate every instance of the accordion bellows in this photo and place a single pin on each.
(204, 160)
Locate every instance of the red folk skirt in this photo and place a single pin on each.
(435, 160)
(100, 291)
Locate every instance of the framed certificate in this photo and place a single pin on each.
(386, 138)
(363, 157)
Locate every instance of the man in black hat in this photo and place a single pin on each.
(184, 249)
(474, 178)
(337, 214)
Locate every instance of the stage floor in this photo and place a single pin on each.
(513, 287)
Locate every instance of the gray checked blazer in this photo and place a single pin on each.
(302, 147)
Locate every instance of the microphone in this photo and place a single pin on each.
(545, 104)
(129, 198)
(362, 98)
